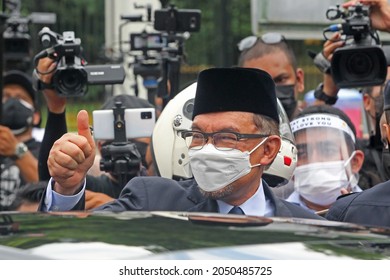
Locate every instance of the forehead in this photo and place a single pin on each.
(319, 134)
(236, 121)
(16, 91)
(275, 63)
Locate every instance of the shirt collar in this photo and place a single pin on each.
(256, 205)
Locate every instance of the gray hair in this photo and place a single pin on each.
(266, 124)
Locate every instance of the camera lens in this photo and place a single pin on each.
(355, 66)
(71, 81)
(359, 64)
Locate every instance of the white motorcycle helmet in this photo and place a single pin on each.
(170, 153)
(169, 150)
(283, 166)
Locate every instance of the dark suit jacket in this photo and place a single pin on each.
(161, 194)
(156, 193)
(370, 207)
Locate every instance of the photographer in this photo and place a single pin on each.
(102, 187)
(18, 149)
(352, 55)
(372, 172)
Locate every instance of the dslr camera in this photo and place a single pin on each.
(362, 61)
(72, 74)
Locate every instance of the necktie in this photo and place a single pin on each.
(236, 210)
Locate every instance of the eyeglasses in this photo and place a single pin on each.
(268, 38)
(222, 140)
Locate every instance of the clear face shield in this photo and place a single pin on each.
(326, 146)
(284, 124)
(322, 144)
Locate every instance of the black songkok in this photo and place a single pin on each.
(235, 89)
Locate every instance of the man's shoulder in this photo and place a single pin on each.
(377, 194)
(363, 207)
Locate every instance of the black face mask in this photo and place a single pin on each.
(386, 162)
(17, 115)
(286, 95)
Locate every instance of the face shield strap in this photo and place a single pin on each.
(321, 120)
(353, 178)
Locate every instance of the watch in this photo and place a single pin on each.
(321, 95)
(20, 150)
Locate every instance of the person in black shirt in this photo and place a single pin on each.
(18, 149)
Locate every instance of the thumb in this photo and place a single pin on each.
(83, 126)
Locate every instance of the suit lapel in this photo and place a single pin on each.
(280, 208)
(208, 205)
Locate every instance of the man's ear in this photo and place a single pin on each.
(300, 80)
(271, 149)
(366, 101)
(357, 161)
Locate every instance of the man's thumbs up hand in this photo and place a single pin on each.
(71, 157)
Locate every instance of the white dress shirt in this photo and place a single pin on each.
(257, 205)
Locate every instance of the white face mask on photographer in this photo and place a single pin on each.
(321, 182)
(214, 169)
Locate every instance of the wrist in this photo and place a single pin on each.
(67, 190)
(321, 95)
(20, 151)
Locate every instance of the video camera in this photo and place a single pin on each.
(177, 20)
(158, 55)
(16, 34)
(362, 61)
(72, 76)
(17, 44)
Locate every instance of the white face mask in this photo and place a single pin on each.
(214, 169)
(321, 182)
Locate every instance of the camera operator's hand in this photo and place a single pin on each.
(331, 45)
(8, 142)
(71, 157)
(329, 86)
(55, 103)
(95, 199)
(379, 13)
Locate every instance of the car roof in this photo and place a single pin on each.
(184, 235)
